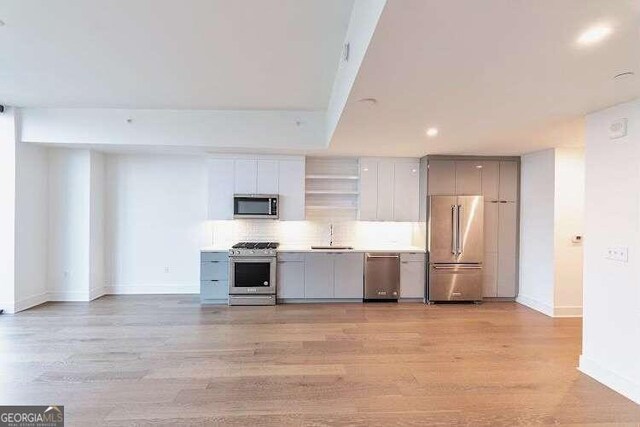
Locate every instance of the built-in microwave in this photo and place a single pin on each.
(255, 206)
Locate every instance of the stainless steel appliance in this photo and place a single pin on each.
(455, 242)
(381, 276)
(252, 273)
(255, 206)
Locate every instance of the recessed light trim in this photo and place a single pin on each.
(624, 75)
(594, 34)
(368, 101)
(432, 132)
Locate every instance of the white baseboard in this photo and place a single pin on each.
(614, 381)
(535, 304)
(62, 296)
(152, 289)
(96, 293)
(8, 307)
(31, 301)
(568, 311)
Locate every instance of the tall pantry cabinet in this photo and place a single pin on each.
(498, 180)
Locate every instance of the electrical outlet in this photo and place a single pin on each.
(617, 254)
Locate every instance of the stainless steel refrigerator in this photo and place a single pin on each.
(455, 242)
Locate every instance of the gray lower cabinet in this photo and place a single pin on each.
(333, 275)
(412, 275)
(348, 275)
(290, 273)
(214, 277)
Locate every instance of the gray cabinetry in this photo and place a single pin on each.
(498, 181)
(290, 275)
(214, 277)
(412, 275)
(318, 275)
(348, 275)
(333, 275)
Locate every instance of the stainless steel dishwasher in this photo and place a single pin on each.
(381, 276)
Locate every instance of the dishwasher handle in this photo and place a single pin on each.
(383, 256)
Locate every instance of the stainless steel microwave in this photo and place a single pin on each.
(255, 206)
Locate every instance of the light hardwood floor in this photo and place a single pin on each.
(138, 360)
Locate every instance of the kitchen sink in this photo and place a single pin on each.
(337, 248)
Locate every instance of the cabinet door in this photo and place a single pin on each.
(290, 279)
(412, 278)
(491, 226)
(441, 180)
(318, 275)
(368, 189)
(507, 239)
(245, 176)
(406, 191)
(267, 181)
(508, 181)
(385, 190)
(221, 188)
(490, 180)
(291, 186)
(468, 178)
(490, 275)
(348, 275)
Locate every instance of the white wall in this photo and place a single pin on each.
(31, 234)
(611, 331)
(569, 221)
(97, 277)
(69, 195)
(7, 209)
(551, 212)
(537, 269)
(155, 223)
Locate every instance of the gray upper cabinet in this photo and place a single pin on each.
(385, 189)
(368, 209)
(389, 189)
(468, 178)
(490, 180)
(508, 181)
(442, 177)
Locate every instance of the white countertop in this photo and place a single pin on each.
(305, 248)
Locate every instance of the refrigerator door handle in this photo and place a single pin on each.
(460, 237)
(454, 229)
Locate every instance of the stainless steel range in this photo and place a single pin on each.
(252, 273)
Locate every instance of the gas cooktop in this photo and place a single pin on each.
(256, 245)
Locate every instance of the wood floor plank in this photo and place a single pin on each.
(166, 360)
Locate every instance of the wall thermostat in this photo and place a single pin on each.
(618, 129)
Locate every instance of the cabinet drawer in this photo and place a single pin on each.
(291, 256)
(211, 270)
(214, 256)
(412, 257)
(214, 289)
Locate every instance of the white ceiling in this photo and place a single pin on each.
(187, 54)
(495, 76)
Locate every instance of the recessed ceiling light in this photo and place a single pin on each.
(595, 34)
(431, 132)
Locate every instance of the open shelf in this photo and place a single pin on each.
(332, 188)
(325, 207)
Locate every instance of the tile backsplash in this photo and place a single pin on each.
(306, 233)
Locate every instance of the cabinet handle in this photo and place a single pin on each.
(494, 201)
(503, 201)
